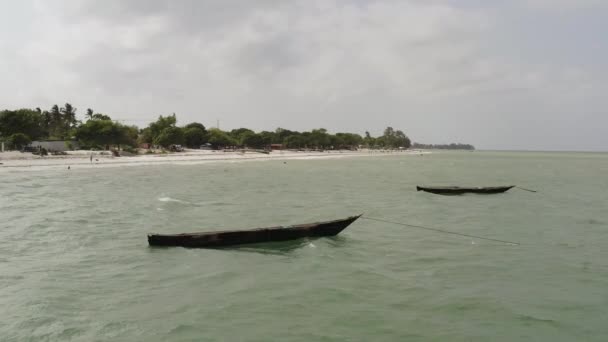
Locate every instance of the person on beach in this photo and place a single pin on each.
(91, 158)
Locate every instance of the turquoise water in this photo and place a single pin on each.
(75, 264)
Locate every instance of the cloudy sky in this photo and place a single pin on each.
(500, 74)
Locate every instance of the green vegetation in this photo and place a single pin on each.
(24, 121)
(218, 138)
(99, 131)
(19, 140)
(444, 146)
(195, 134)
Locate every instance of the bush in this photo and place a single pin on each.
(19, 140)
(194, 137)
(170, 136)
(130, 149)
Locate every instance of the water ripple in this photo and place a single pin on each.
(75, 263)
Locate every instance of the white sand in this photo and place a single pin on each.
(81, 159)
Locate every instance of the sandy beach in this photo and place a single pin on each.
(82, 159)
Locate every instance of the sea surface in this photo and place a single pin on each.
(75, 264)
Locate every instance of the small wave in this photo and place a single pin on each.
(431, 259)
(595, 222)
(30, 186)
(183, 328)
(169, 199)
(219, 204)
(531, 320)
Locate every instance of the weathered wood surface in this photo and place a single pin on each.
(239, 237)
(455, 190)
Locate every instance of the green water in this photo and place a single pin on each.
(75, 264)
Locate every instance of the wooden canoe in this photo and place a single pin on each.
(239, 237)
(456, 190)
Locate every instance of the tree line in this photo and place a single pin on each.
(444, 146)
(99, 131)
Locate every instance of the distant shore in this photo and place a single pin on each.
(94, 159)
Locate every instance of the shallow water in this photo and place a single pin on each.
(75, 264)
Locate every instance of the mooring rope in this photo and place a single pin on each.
(440, 230)
(519, 187)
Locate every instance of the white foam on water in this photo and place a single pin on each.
(169, 199)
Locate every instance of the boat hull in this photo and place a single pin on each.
(241, 237)
(454, 190)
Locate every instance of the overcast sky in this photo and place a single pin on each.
(499, 74)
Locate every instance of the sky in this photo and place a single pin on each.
(498, 74)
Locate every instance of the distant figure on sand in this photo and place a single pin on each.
(91, 158)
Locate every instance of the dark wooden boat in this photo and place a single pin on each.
(456, 190)
(239, 237)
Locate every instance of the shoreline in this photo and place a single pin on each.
(81, 159)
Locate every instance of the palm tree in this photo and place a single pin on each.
(55, 123)
(47, 121)
(69, 117)
(89, 114)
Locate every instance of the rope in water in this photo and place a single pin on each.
(519, 187)
(440, 230)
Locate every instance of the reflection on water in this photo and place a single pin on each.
(287, 247)
(276, 248)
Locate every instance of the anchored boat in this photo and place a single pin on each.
(456, 190)
(239, 237)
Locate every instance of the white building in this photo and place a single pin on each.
(56, 145)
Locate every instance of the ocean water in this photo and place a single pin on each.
(75, 264)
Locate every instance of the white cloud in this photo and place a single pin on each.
(565, 4)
